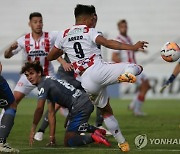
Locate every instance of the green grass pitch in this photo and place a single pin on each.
(162, 121)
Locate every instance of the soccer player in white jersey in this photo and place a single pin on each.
(129, 56)
(34, 46)
(65, 72)
(79, 42)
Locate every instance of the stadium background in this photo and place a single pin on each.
(154, 21)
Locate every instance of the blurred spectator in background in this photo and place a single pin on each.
(129, 56)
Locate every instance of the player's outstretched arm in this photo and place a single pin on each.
(52, 123)
(113, 44)
(37, 117)
(171, 78)
(8, 52)
(54, 54)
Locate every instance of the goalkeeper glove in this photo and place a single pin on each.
(167, 83)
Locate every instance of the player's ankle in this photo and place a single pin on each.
(40, 130)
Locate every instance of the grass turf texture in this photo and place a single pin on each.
(162, 122)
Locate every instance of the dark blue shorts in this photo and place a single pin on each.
(6, 95)
(79, 115)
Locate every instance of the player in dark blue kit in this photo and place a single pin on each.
(66, 95)
(7, 102)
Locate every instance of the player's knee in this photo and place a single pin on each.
(68, 139)
(18, 96)
(10, 111)
(14, 105)
(70, 143)
(106, 111)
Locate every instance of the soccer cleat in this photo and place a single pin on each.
(127, 77)
(108, 133)
(100, 132)
(131, 107)
(5, 148)
(38, 136)
(99, 138)
(140, 113)
(124, 147)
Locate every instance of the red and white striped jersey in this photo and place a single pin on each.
(79, 44)
(126, 55)
(37, 50)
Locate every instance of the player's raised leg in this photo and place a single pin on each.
(103, 74)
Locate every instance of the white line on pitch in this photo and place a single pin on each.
(50, 148)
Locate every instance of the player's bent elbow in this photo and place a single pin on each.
(49, 58)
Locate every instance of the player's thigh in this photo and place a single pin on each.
(111, 72)
(105, 74)
(6, 95)
(89, 84)
(78, 117)
(107, 110)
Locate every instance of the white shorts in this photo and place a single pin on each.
(97, 77)
(101, 99)
(24, 86)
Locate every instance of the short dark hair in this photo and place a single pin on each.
(35, 14)
(123, 21)
(32, 65)
(84, 10)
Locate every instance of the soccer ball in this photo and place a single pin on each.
(170, 52)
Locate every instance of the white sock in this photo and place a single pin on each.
(112, 125)
(138, 104)
(133, 69)
(1, 115)
(132, 104)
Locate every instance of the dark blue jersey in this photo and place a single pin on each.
(58, 91)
